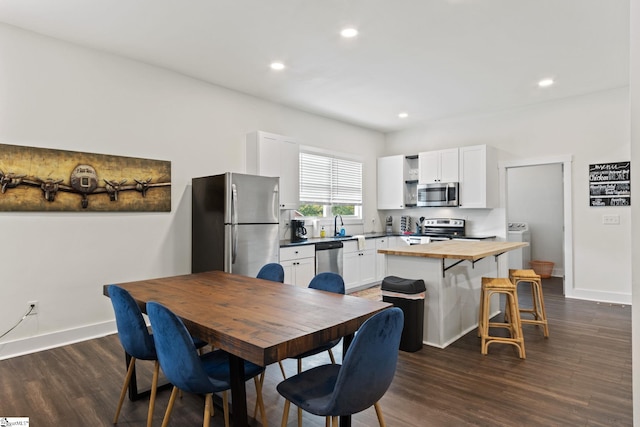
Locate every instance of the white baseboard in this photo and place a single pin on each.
(599, 296)
(56, 339)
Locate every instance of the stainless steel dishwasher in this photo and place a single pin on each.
(329, 257)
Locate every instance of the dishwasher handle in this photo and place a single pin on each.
(324, 246)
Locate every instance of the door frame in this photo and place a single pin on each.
(566, 162)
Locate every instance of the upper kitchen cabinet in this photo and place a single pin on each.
(438, 166)
(397, 181)
(269, 154)
(478, 177)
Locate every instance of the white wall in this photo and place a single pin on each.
(534, 196)
(57, 95)
(592, 129)
(635, 206)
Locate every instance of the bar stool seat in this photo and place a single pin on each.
(504, 286)
(537, 310)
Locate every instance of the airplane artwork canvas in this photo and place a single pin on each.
(41, 179)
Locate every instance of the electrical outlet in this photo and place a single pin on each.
(33, 304)
(611, 219)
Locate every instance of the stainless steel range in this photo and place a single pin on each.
(436, 229)
(443, 228)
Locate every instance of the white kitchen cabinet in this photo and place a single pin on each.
(397, 181)
(269, 154)
(381, 261)
(299, 264)
(479, 186)
(359, 265)
(438, 166)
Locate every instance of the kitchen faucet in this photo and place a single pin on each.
(335, 225)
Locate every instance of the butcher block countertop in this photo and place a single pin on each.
(455, 249)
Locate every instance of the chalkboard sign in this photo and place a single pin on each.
(610, 184)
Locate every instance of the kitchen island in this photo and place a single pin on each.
(452, 272)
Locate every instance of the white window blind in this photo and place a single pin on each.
(330, 180)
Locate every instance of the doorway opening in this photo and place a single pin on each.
(538, 192)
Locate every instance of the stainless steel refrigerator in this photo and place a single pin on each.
(235, 223)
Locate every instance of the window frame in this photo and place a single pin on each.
(327, 208)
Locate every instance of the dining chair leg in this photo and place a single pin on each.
(334, 421)
(255, 408)
(260, 401)
(172, 399)
(379, 414)
(299, 409)
(327, 421)
(127, 380)
(225, 407)
(208, 405)
(285, 414)
(154, 392)
(282, 370)
(333, 359)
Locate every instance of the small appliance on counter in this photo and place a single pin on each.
(389, 222)
(298, 231)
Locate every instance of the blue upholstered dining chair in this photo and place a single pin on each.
(328, 282)
(275, 273)
(187, 370)
(272, 271)
(136, 341)
(365, 375)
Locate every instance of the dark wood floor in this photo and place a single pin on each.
(579, 376)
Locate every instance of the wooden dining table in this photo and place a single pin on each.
(254, 319)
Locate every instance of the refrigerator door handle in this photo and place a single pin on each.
(234, 223)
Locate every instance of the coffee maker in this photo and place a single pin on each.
(298, 232)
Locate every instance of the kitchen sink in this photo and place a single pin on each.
(346, 236)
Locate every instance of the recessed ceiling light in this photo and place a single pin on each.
(277, 66)
(403, 115)
(545, 82)
(349, 32)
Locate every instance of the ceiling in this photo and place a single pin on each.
(430, 58)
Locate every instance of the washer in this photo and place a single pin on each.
(519, 258)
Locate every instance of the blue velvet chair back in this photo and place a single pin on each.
(370, 363)
(132, 329)
(272, 271)
(330, 282)
(177, 354)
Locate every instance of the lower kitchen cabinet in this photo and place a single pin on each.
(381, 260)
(299, 264)
(359, 265)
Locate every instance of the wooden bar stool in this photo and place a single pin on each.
(537, 309)
(504, 286)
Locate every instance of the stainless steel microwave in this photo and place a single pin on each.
(438, 194)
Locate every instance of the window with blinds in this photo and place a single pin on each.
(327, 180)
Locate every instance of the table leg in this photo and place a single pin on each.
(134, 394)
(345, 420)
(238, 392)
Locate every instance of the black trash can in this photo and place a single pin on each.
(408, 295)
